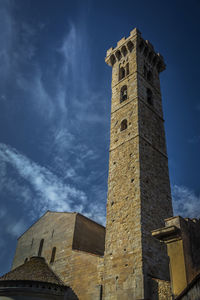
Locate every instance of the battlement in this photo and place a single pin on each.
(135, 41)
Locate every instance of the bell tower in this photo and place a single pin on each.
(139, 196)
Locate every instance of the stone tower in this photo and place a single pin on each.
(139, 196)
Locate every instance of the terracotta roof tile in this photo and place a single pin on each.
(36, 269)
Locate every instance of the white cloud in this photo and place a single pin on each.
(36, 93)
(50, 191)
(97, 213)
(10, 226)
(70, 173)
(61, 94)
(185, 202)
(16, 228)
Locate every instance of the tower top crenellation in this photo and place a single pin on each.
(126, 45)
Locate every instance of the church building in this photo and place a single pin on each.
(144, 253)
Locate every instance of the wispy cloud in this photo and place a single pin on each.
(49, 102)
(9, 226)
(60, 95)
(57, 96)
(185, 202)
(49, 191)
(15, 228)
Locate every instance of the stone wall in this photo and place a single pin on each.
(88, 236)
(79, 246)
(161, 290)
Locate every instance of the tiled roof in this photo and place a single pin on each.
(36, 269)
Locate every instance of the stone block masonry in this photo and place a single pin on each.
(79, 244)
(139, 197)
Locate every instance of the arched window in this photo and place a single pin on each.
(124, 50)
(53, 254)
(149, 97)
(112, 59)
(130, 46)
(127, 69)
(123, 93)
(121, 73)
(40, 247)
(123, 124)
(118, 54)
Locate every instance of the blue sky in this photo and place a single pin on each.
(55, 104)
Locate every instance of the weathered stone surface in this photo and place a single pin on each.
(139, 196)
(78, 240)
(161, 290)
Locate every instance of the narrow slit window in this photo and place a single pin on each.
(101, 292)
(123, 93)
(40, 247)
(149, 97)
(123, 124)
(53, 254)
